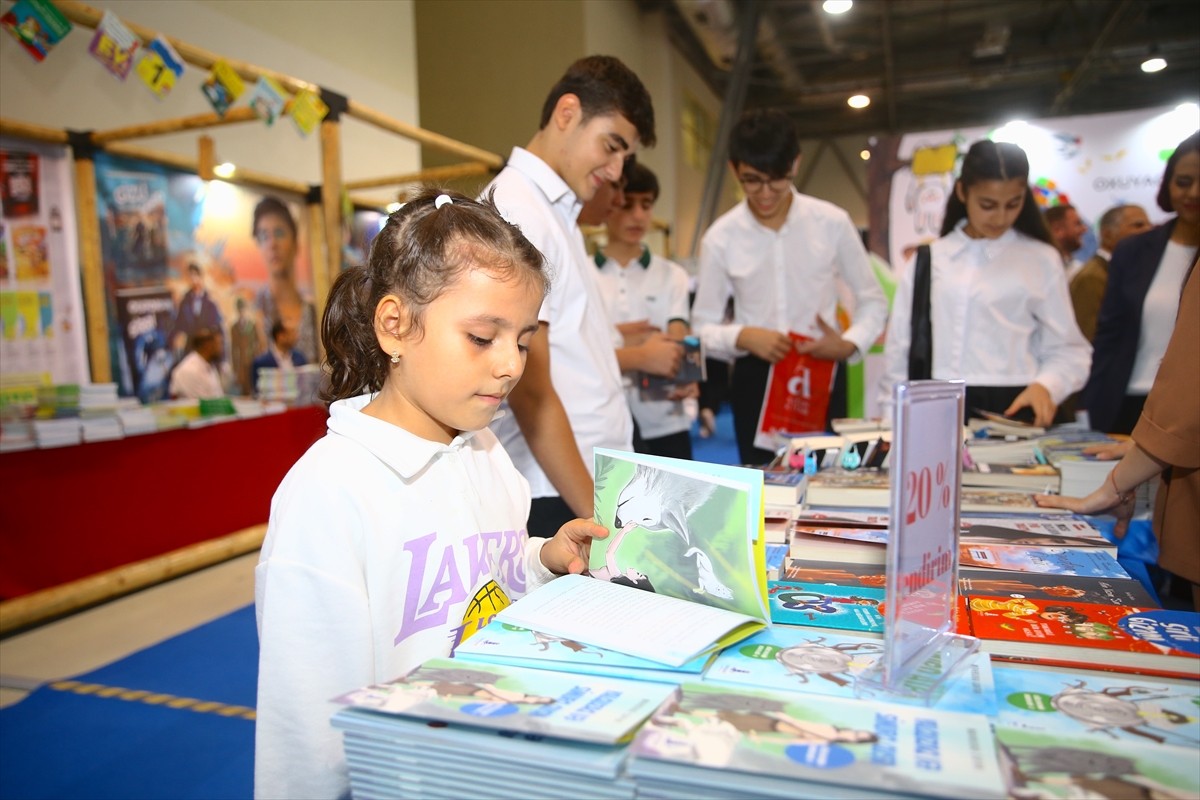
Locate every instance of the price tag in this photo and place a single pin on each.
(922, 558)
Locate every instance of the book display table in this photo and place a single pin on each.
(71, 512)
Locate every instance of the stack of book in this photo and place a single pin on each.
(137, 419)
(449, 728)
(58, 432)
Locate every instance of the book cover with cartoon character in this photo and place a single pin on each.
(823, 662)
(515, 699)
(1128, 708)
(824, 740)
(850, 608)
(685, 529)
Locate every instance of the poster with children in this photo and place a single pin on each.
(221, 256)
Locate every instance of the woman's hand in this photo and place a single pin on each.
(1104, 500)
(567, 552)
(1036, 398)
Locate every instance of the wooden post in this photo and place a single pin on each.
(317, 244)
(91, 270)
(331, 205)
(178, 125)
(431, 174)
(206, 160)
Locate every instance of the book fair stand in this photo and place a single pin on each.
(81, 525)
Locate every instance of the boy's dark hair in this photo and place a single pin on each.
(605, 86)
(1056, 214)
(639, 179)
(202, 337)
(765, 139)
(419, 253)
(997, 161)
(277, 328)
(271, 205)
(1189, 145)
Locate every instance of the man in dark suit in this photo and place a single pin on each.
(281, 353)
(1087, 287)
(196, 312)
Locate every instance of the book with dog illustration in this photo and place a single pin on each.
(503, 643)
(601, 710)
(685, 529)
(815, 742)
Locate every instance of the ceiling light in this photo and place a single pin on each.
(865, 155)
(858, 101)
(1154, 64)
(225, 170)
(392, 208)
(837, 6)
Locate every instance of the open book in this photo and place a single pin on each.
(682, 528)
(690, 535)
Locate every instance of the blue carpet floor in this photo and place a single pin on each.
(172, 721)
(721, 447)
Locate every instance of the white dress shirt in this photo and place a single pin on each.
(1001, 316)
(783, 279)
(196, 379)
(656, 290)
(583, 364)
(1159, 310)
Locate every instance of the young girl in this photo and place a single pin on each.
(1001, 314)
(402, 531)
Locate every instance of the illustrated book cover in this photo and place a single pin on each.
(797, 659)
(601, 710)
(1051, 766)
(1090, 635)
(811, 570)
(827, 606)
(1101, 706)
(830, 740)
(681, 528)
(1042, 586)
(1093, 562)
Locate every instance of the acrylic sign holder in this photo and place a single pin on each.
(921, 650)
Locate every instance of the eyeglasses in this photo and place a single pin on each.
(264, 235)
(754, 183)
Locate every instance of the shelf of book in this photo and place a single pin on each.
(72, 512)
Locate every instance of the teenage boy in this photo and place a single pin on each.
(645, 292)
(570, 398)
(780, 255)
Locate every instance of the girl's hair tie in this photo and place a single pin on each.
(442, 199)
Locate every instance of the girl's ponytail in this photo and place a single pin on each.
(354, 363)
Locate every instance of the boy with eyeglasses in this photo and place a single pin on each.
(781, 256)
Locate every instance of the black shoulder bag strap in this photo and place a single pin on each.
(920, 346)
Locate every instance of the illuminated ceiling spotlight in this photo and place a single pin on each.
(837, 6)
(392, 208)
(865, 155)
(1154, 64)
(858, 101)
(225, 170)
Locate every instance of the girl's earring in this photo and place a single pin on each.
(396, 357)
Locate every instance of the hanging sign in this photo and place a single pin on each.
(159, 67)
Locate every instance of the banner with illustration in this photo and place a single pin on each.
(1092, 162)
(42, 337)
(181, 255)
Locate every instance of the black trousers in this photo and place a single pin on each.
(748, 387)
(998, 398)
(547, 515)
(673, 445)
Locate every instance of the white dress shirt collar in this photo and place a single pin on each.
(549, 182)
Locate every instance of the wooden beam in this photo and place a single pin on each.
(432, 174)
(88, 17)
(197, 121)
(189, 164)
(37, 133)
(91, 271)
(428, 138)
(30, 609)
